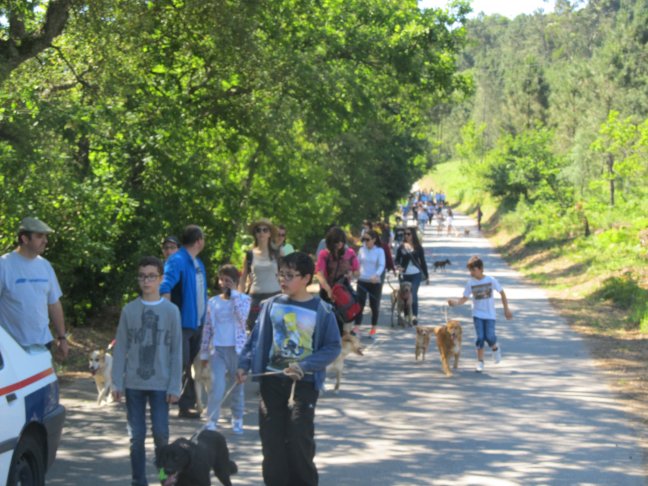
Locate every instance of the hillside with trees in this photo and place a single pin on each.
(554, 141)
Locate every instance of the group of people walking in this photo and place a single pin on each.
(261, 321)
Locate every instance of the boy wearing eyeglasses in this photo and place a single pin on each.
(147, 363)
(295, 338)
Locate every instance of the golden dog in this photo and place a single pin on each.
(100, 366)
(422, 341)
(350, 344)
(448, 339)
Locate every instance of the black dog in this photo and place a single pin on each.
(441, 264)
(186, 463)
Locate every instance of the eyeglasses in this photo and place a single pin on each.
(261, 229)
(288, 276)
(147, 278)
(170, 247)
(366, 239)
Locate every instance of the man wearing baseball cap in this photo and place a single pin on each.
(30, 292)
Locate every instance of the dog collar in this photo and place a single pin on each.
(163, 475)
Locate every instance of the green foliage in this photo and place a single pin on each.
(626, 292)
(147, 116)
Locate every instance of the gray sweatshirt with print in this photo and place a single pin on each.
(148, 350)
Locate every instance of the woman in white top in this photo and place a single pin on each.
(260, 271)
(372, 264)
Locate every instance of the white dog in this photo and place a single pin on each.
(100, 366)
(202, 382)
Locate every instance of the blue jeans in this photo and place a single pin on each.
(224, 362)
(136, 416)
(415, 280)
(485, 331)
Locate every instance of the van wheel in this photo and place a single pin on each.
(27, 464)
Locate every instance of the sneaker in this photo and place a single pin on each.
(372, 333)
(211, 425)
(497, 354)
(480, 366)
(356, 331)
(188, 413)
(237, 426)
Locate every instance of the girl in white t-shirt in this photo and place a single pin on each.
(481, 288)
(223, 337)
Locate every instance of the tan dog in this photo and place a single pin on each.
(202, 382)
(422, 341)
(350, 344)
(448, 339)
(100, 365)
(401, 303)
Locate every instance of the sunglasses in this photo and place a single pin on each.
(407, 233)
(366, 239)
(262, 229)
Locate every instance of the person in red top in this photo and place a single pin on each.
(335, 263)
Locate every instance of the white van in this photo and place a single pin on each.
(31, 417)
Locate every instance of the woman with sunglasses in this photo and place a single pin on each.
(410, 258)
(372, 266)
(335, 263)
(259, 276)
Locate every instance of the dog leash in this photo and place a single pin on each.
(291, 399)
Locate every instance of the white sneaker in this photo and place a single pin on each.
(211, 425)
(480, 366)
(497, 354)
(237, 426)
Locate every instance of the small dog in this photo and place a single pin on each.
(202, 382)
(187, 463)
(422, 341)
(448, 339)
(441, 264)
(350, 344)
(100, 365)
(401, 300)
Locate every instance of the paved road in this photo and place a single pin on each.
(544, 415)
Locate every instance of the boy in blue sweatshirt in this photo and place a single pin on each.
(295, 337)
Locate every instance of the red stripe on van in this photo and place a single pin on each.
(26, 382)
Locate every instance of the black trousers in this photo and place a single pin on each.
(373, 290)
(288, 436)
(190, 347)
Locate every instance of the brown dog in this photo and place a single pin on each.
(401, 305)
(448, 339)
(350, 344)
(441, 264)
(422, 341)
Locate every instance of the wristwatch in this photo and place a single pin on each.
(62, 338)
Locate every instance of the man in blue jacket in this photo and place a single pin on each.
(185, 284)
(295, 337)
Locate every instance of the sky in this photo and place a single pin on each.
(508, 8)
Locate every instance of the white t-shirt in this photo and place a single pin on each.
(482, 296)
(223, 321)
(27, 287)
(372, 262)
(200, 290)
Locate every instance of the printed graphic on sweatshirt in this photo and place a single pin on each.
(292, 330)
(482, 291)
(148, 343)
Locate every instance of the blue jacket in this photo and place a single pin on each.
(326, 343)
(180, 281)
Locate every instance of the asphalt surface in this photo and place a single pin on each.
(544, 415)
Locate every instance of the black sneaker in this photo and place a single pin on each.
(188, 413)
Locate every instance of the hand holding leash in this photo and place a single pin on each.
(294, 371)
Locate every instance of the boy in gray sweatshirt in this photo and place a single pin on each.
(147, 363)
